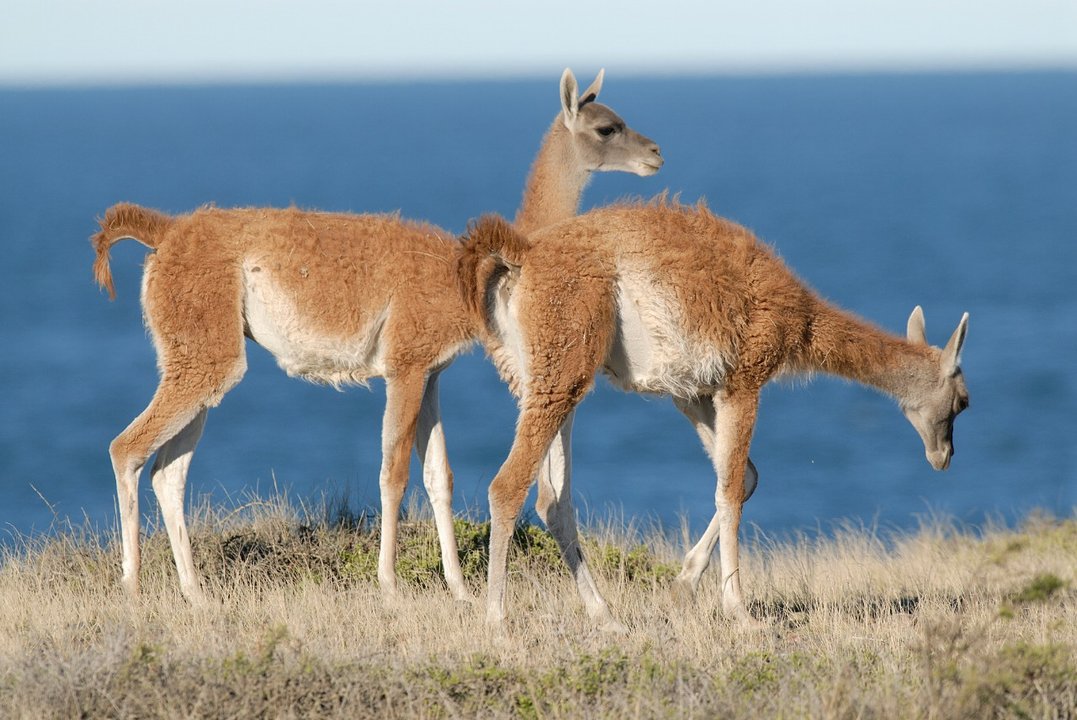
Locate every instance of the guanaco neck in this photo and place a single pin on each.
(839, 343)
(555, 183)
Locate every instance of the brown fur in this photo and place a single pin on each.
(124, 220)
(756, 307)
(334, 280)
(497, 247)
(723, 315)
(339, 271)
(548, 202)
(337, 299)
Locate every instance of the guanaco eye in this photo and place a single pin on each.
(607, 130)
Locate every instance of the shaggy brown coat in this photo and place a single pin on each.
(670, 299)
(337, 299)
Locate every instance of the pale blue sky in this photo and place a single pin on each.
(119, 41)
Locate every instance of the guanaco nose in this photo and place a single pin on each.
(653, 147)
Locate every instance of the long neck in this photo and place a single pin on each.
(555, 184)
(838, 343)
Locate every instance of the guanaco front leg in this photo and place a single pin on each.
(403, 399)
(733, 422)
(702, 412)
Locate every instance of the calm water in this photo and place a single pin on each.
(955, 192)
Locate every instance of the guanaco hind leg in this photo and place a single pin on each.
(174, 418)
(438, 479)
(534, 433)
(554, 506)
(169, 477)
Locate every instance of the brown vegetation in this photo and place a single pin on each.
(940, 623)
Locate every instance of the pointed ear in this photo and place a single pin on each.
(914, 329)
(591, 93)
(570, 101)
(951, 354)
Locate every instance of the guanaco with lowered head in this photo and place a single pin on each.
(670, 299)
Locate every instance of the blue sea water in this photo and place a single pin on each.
(956, 192)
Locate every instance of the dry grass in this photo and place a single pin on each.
(941, 623)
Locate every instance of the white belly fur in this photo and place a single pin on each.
(651, 353)
(275, 323)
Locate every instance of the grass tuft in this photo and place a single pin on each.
(1040, 588)
(941, 623)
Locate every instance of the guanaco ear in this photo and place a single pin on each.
(951, 354)
(914, 329)
(570, 100)
(591, 93)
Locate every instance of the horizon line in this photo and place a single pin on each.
(335, 76)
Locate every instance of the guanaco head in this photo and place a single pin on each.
(602, 139)
(935, 399)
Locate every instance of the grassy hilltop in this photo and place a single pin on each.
(940, 623)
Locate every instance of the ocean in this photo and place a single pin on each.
(957, 192)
